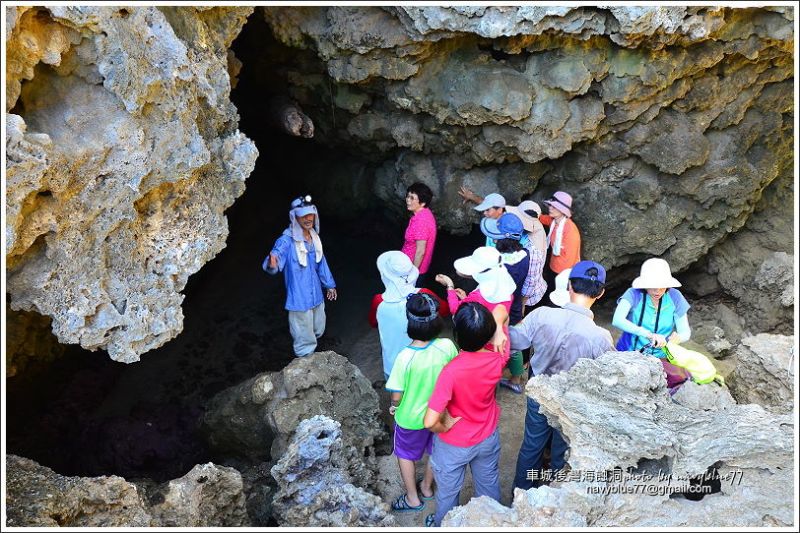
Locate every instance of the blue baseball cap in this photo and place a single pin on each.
(588, 270)
(302, 206)
(508, 226)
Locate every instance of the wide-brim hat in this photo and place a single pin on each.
(655, 274)
(561, 201)
(560, 296)
(492, 200)
(482, 258)
(399, 275)
(508, 226)
(528, 221)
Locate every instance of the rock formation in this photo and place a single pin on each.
(37, 496)
(317, 481)
(122, 154)
(764, 372)
(209, 495)
(671, 126)
(617, 416)
(257, 419)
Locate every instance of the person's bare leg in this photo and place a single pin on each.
(426, 485)
(409, 474)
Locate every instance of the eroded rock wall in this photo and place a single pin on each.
(670, 126)
(122, 154)
(616, 414)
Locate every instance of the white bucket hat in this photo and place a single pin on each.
(485, 265)
(655, 274)
(399, 275)
(560, 296)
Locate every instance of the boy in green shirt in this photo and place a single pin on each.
(411, 382)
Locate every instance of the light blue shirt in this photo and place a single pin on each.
(671, 318)
(392, 326)
(304, 284)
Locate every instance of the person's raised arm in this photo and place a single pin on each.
(468, 195)
(276, 260)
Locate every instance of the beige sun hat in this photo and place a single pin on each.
(560, 296)
(528, 222)
(655, 274)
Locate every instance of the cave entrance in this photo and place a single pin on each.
(87, 415)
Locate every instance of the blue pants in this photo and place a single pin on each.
(537, 433)
(449, 464)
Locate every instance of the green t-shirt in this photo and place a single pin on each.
(414, 374)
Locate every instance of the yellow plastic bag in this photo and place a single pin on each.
(700, 366)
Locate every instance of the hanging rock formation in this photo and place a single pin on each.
(209, 495)
(670, 126)
(122, 155)
(617, 415)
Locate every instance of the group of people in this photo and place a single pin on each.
(443, 392)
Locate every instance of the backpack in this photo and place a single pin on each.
(700, 366)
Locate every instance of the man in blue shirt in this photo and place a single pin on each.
(298, 254)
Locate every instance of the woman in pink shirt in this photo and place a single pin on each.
(463, 413)
(420, 236)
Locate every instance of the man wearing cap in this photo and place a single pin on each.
(559, 337)
(564, 239)
(298, 254)
(492, 206)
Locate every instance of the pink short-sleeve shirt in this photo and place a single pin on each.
(421, 227)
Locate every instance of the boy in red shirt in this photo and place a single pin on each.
(463, 413)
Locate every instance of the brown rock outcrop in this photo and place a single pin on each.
(122, 154)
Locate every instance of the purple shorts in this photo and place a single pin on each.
(411, 444)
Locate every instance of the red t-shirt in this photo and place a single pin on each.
(466, 388)
(475, 296)
(421, 227)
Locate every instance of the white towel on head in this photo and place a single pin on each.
(556, 226)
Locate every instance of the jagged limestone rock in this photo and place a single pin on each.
(258, 418)
(207, 496)
(39, 497)
(122, 157)
(316, 483)
(765, 371)
(620, 422)
(705, 397)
